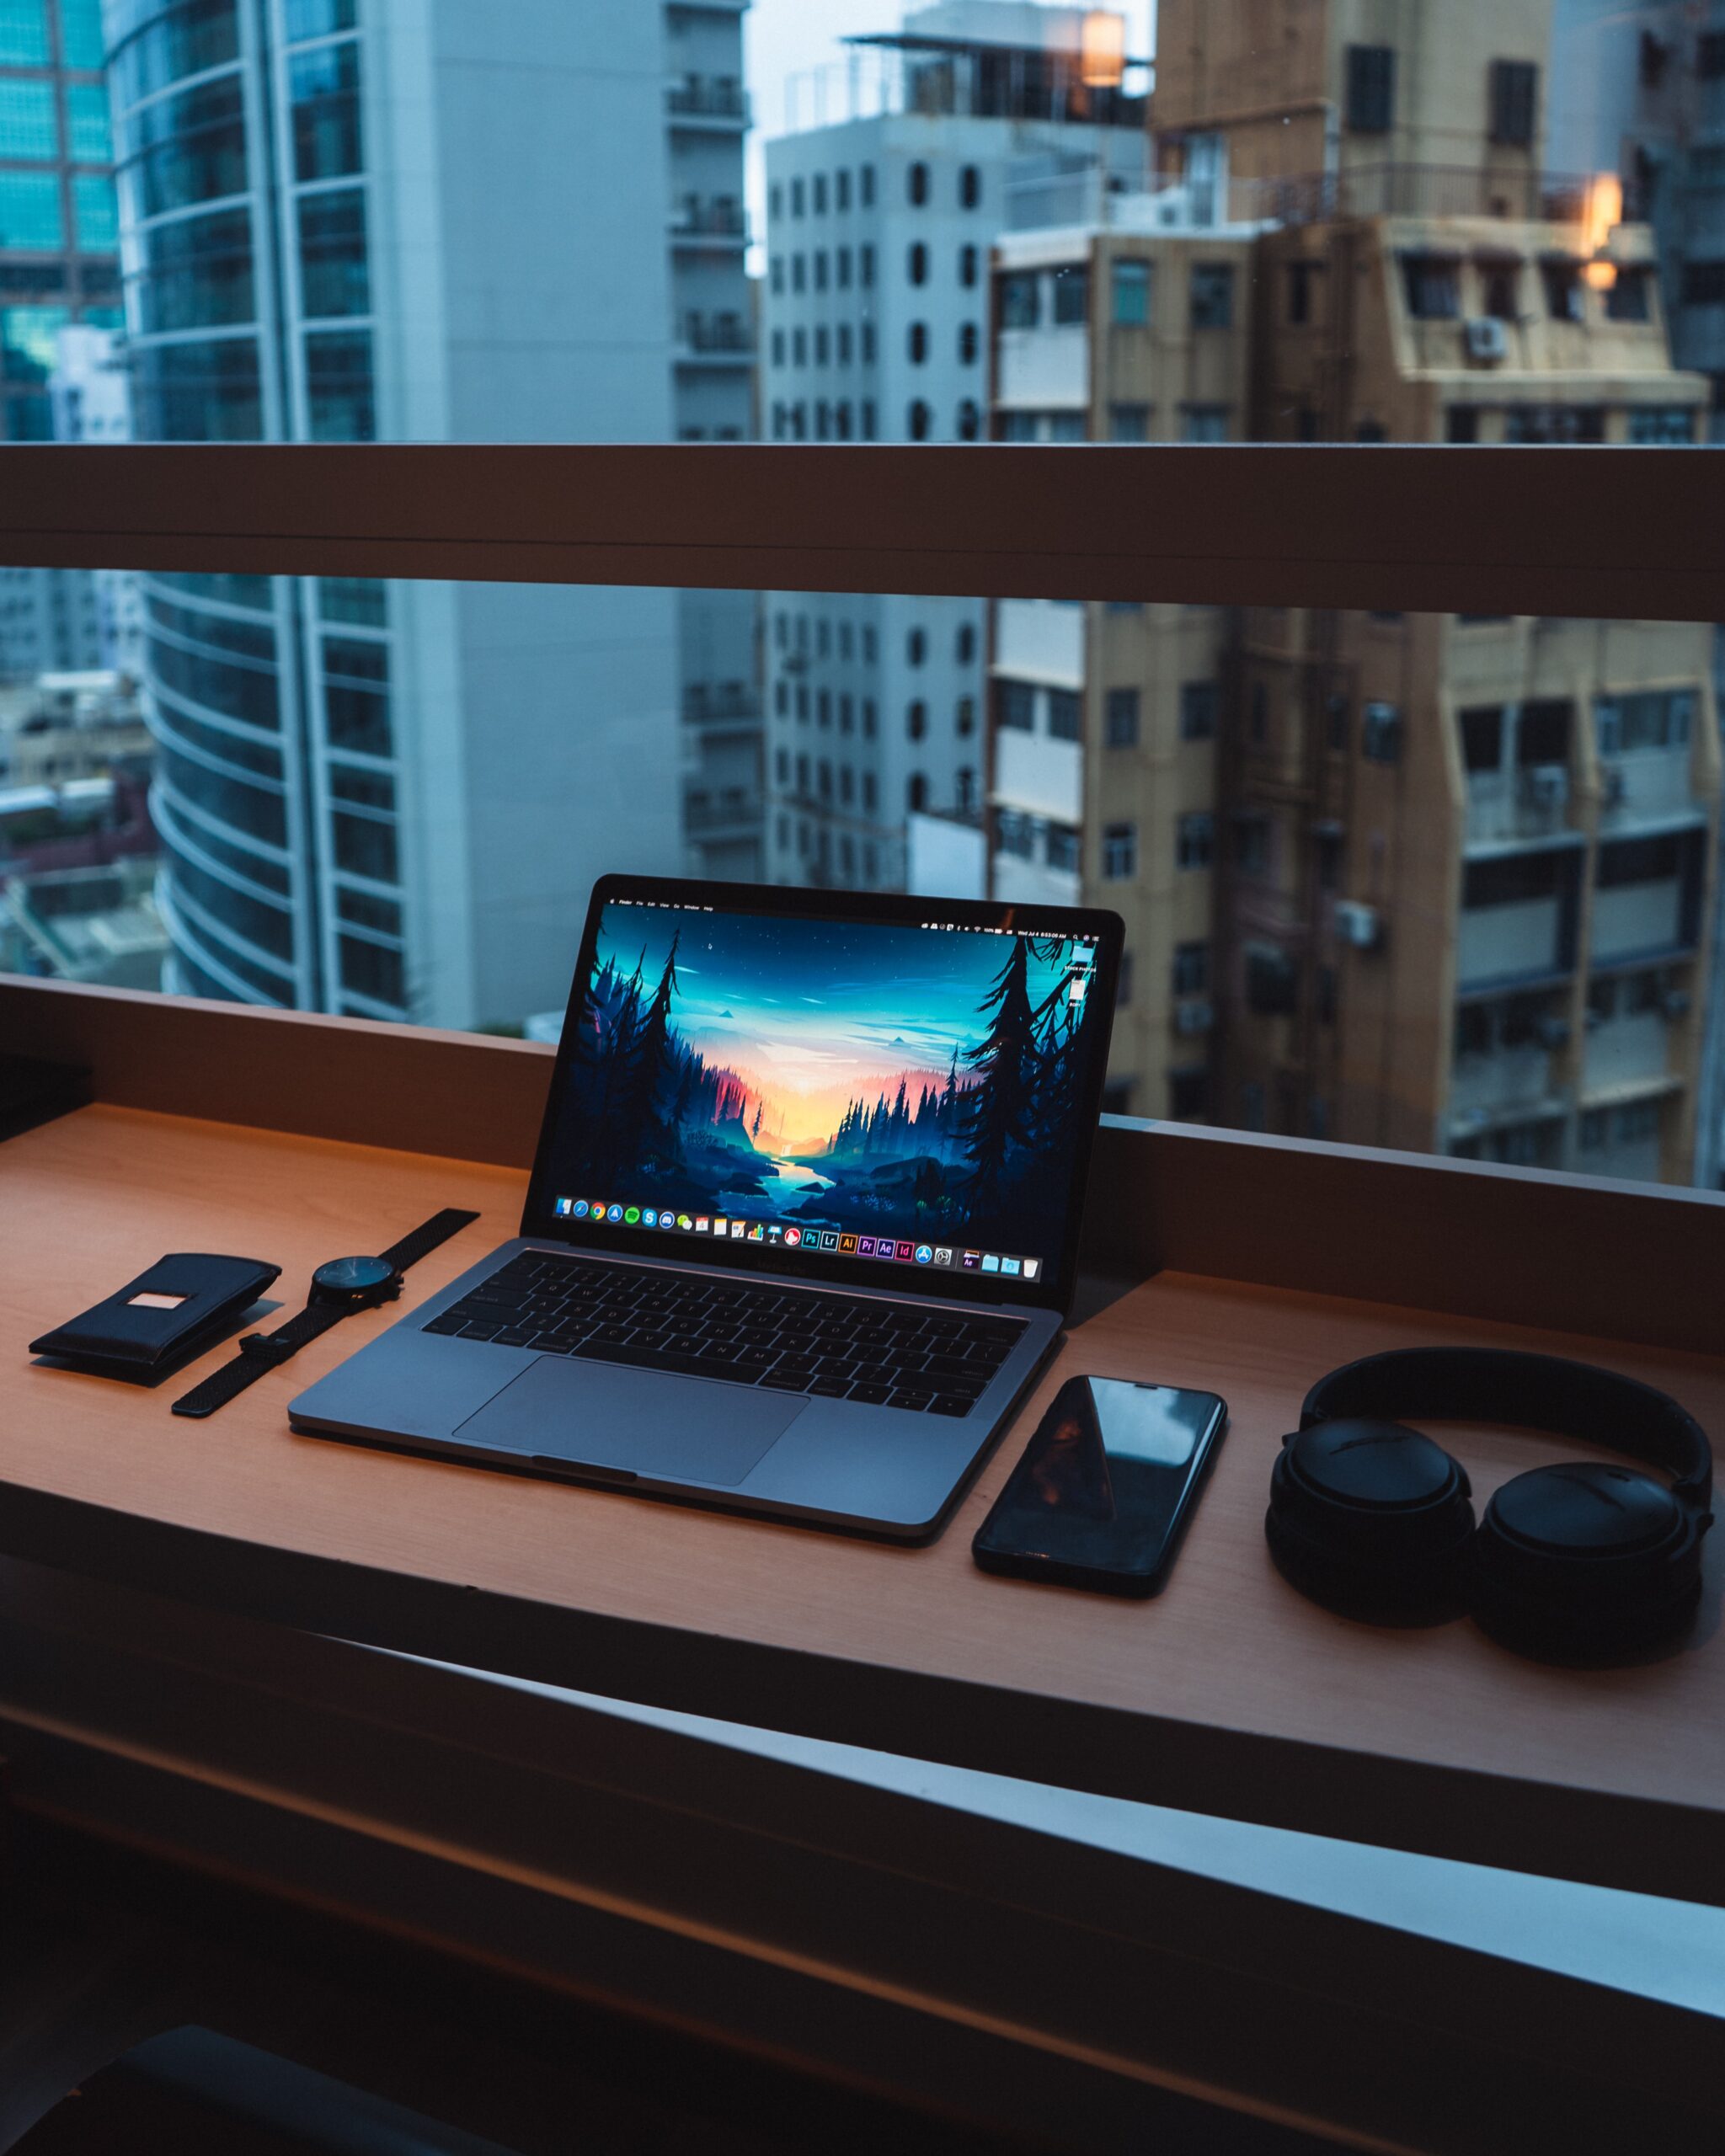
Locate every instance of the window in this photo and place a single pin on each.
(917, 720)
(1554, 422)
(866, 335)
(1651, 718)
(799, 199)
(844, 344)
(1131, 287)
(865, 185)
(1065, 715)
(24, 35)
(969, 187)
(1205, 423)
(968, 341)
(798, 273)
(1514, 101)
(1704, 283)
(1120, 725)
(777, 273)
(1212, 294)
(1129, 423)
(865, 268)
(775, 202)
(1710, 55)
(820, 259)
(917, 343)
(969, 261)
(1060, 846)
(29, 130)
(1188, 1094)
(969, 418)
(1500, 287)
(965, 718)
(1671, 424)
(916, 263)
(29, 213)
(1194, 840)
(1380, 734)
(1199, 701)
(1272, 981)
(820, 195)
(1300, 281)
(1015, 834)
(1628, 296)
(334, 276)
(1462, 422)
(1120, 851)
(916, 793)
(1369, 96)
(1020, 300)
(323, 92)
(1071, 294)
(841, 191)
(1432, 286)
(842, 272)
(1015, 706)
(1483, 738)
(917, 420)
(1561, 275)
(916, 184)
(1191, 968)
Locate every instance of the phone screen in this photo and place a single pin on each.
(1103, 1488)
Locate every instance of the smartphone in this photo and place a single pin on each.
(1103, 1494)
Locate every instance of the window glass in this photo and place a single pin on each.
(30, 220)
(81, 36)
(1131, 294)
(90, 139)
(28, 132)
(334, 270)
(323, 89)
(23, 33)
(95, 213)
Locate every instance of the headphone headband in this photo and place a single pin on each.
(1535, 1392)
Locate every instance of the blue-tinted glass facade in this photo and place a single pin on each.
(30, 130)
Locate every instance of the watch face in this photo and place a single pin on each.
(353, 1276)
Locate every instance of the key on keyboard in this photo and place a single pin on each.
(834, 1346)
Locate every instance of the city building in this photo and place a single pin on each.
(1422, 881)
(71, 726)
(879, 226)
(58, 265)
(365, 227)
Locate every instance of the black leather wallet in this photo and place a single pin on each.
(184, 1304)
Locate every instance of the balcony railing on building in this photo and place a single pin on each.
(725, 703)
(1418, 190)
(731, 809)
(718, 217)
(709, 97)
(715, 337)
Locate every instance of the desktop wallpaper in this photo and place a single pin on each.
(831, 1075)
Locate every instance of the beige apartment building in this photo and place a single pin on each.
(1425, 881)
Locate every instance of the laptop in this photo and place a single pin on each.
(804, 1221)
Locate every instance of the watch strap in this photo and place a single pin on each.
(425, 1239)
(259, 1351)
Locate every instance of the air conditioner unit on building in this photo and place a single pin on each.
(1548, 785)
(1194, 1017)
(1357, 924)
(1487, 340)
(1676, 1004)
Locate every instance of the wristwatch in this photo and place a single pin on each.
(339, 1290)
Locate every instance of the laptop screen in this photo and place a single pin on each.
(918, 1096)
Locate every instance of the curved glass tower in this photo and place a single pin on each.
(391, 801)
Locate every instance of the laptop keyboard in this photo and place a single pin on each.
(933, 1361)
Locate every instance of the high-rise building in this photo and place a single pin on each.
(876, 317)
(58, 265)
(1428, 881)
(349, 220)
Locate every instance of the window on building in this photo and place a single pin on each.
(865, 185)
(1668, 425)
(1561, 275)
(820, 195)
(1191, 974)
(775, 202)
(1071, 294)
(1203, 423)
(1065, 710)
(819, 269)
(1129, 282)
(964, 717)
(1500, 286)
(866, 336)
(800, 200)
(323, 94)
(916, 263)
(1120, 725)
(1129, 423)
(1369, 104)
(778, 348)
(30, 216)
(1483, 738)
(1272, 981)
(799, 273)
(1198, 703)
(1703, 283)
(1300, 275)
(1188, 1094)
(968, 342)
(1629, 296)
(1380, 734)
(841, 191)
(1554, 422)
(865, 267)
(1462, 422)
(1194, 840)
(918, 419)
(1647, 718)
(1015, 833)
(969, 262)
(969, 187)
(1514, 97)
(1060, 845)
(1015, 706)
(969, 418)
(1431, 284)
(1020, 300)
(1120, 851)
(916, 791)
(1252, 844)
(841, 275)
(775, 273)
(1212, 302)
(29, 127)
(916, 719)
(916, 184)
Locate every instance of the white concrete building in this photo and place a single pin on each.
(343, 225)
(876, 319)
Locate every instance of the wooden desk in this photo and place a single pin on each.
(1228, 1694)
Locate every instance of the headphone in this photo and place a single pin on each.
(1572, 1562)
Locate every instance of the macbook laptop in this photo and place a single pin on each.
(804, 1222)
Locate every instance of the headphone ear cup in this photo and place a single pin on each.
(1585, 1561)
(1371, 1519)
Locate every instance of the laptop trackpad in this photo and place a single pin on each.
(634, 1421)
